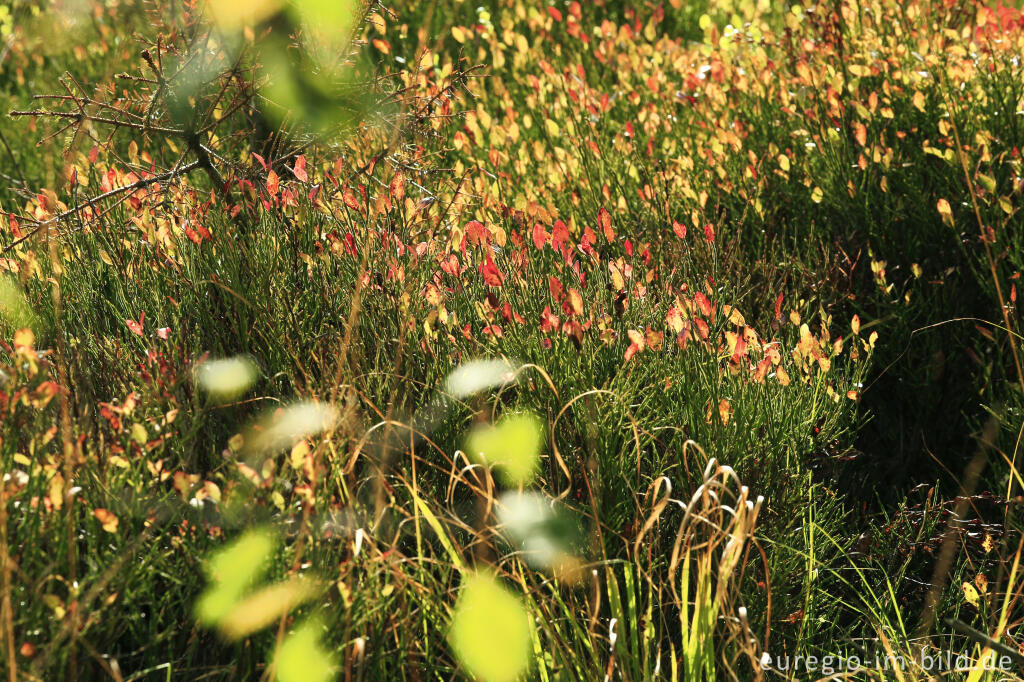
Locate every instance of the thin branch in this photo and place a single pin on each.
(80, 117)
(162, 177)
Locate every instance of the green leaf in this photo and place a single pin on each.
(302, 658)
(987, 181)
(491, 630)
(231, 571)
(333, 19)
(513, 445)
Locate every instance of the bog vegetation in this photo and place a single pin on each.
(511, 340)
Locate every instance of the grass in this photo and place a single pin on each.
(765, 325)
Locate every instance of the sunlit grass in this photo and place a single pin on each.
(617, 358)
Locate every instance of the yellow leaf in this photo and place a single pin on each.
(970, 594)
(266, 606)
(919, 100)
(56, 491)
(379, 25)
(458, 34)
(298, 455)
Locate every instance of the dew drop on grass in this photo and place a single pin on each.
(478, 375)
(512, 445)
(490, 631)
(226, 379)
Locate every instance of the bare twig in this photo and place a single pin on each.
(71, 212)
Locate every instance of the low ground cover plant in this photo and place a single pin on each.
(510, 341)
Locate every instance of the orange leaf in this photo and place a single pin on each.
(724, 411)
(576, 301)
(860, 132)
(397, 187)
(107, 519)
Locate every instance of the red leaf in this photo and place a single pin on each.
(451, 265)
(476, 233)
(261, 160)
(604, 220)
(709, 232)
(490, 273)
(555, 14)
(300, 168)
(559, 235)
(163, 332)
(588, 241)
(703, 303)
(273, 183)
(679, 229)
(136, 326)
(540, 236)
(548, 321)
(555, 287)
